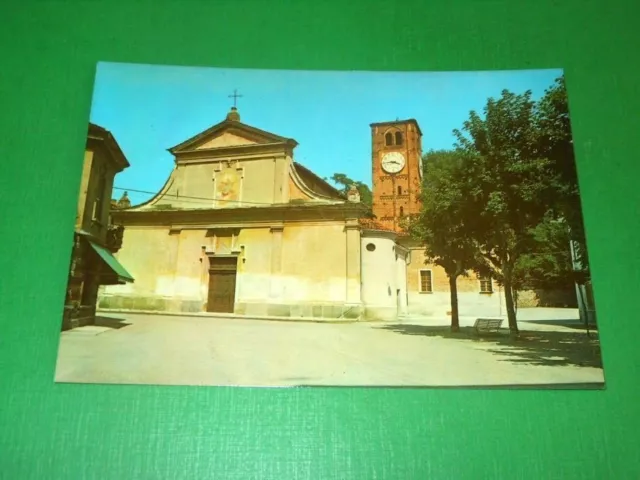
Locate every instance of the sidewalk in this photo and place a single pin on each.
(540, 319)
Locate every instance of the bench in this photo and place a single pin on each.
(487, 325)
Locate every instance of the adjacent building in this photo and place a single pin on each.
(397, 178)
(95, 237)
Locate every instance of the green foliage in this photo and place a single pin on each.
(443, 222)
(555, 142)
(549, 265)
(344, 184)
(513, 186)
(505, 203)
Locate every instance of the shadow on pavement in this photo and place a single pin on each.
(575, 324)
(111, 322)
(531, 347)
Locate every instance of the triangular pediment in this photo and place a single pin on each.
(229, 134)
(225, 139)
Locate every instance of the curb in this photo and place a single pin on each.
(237, 316)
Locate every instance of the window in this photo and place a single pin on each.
(388, 139)
(371, 247)
(398, 138)
(426, 285)
(399, 190)
(486, 285)
(401, 211)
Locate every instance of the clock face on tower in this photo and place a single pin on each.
(393, 162)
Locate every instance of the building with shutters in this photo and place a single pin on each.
(95, 238)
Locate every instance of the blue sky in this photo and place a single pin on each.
(151, 108)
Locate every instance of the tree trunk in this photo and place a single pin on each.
(453, 288)
(509, 303)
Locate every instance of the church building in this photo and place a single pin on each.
(241, 228)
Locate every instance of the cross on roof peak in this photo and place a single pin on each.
(235, 97)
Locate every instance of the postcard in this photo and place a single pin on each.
(241, 227)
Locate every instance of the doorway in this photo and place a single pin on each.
(222, 283)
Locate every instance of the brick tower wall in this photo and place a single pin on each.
(396, 194)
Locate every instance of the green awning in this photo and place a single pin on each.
(120, 272)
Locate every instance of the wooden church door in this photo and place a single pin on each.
(222, 284)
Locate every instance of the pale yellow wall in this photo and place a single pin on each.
(189, 181)
(258, 182)
(314, 263)
(262, 181)
(295, 193)
(438, 275)
(83, 209)
(470, 301)
(95, 162)
(254, 267)
(285, 174)
(191, 270)
(149, 255)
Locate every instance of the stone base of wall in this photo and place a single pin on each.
(160, 304)
(298, 310)
(383, 314)
(150, 303)
(78, 318)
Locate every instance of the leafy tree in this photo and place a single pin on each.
(556, 144)
(512, 186)
(549, 265)
(344, 183)
(443, 221)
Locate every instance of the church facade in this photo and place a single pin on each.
(240, 227)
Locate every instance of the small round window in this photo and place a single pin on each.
(371, 247)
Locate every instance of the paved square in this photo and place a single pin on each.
(172, 350)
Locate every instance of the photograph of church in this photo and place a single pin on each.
(367, 236)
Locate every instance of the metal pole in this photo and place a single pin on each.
(579, 288)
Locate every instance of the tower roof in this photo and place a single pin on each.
(398, 122)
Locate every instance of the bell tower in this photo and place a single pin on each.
(396, 154)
